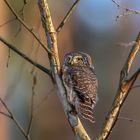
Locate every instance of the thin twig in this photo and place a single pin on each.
(11, 116)
(73, 7)
(42, 68)
(18, 30)
(128, 119)
(125, 87)
(4, 114)
(127, 11)
(8, 59)
(6, 22)
(32, 101)
(132, 55)
(27, 27)
(43, 100)
(22, 9)
(126, 45)
(136, 86)
(34, 76)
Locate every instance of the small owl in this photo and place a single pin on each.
(81, 83)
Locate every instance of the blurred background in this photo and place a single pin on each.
(93, 29)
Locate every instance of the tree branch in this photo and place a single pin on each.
(127, 11)
(6, 22)
(42, 68)
(73, 7)
(129, 119)
(47, 23)
(130, 58)
(11, 116)
(124, 88)
(27, 27)
(32, 101)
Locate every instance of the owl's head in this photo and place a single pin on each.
(77, 59)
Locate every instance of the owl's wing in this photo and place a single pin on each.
(85, 85)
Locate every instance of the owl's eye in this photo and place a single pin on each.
(80, 59)
(68, 59)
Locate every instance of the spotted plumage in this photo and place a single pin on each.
(81, 83)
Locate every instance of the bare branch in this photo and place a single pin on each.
(4, 114)
(124, 88)
(7, 22)
(133, 78)
(26, 27)
(11, 116)
(136, 86)
(127, 11)
(18, 30)
(22, 9)
(128, 119)
(34, 77)
(133, 52)
(126, 45)
(73, 7)
(42, 68)
(44, 99)
(32, 100)
(50, 33)
(8, 59)
(73, 119)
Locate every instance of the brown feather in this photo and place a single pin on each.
(81, 84)
(86, 112)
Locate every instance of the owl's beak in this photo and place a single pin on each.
(71, 62)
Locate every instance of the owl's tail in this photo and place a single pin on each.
(85, 109)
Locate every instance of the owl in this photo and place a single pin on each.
(81, 83)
